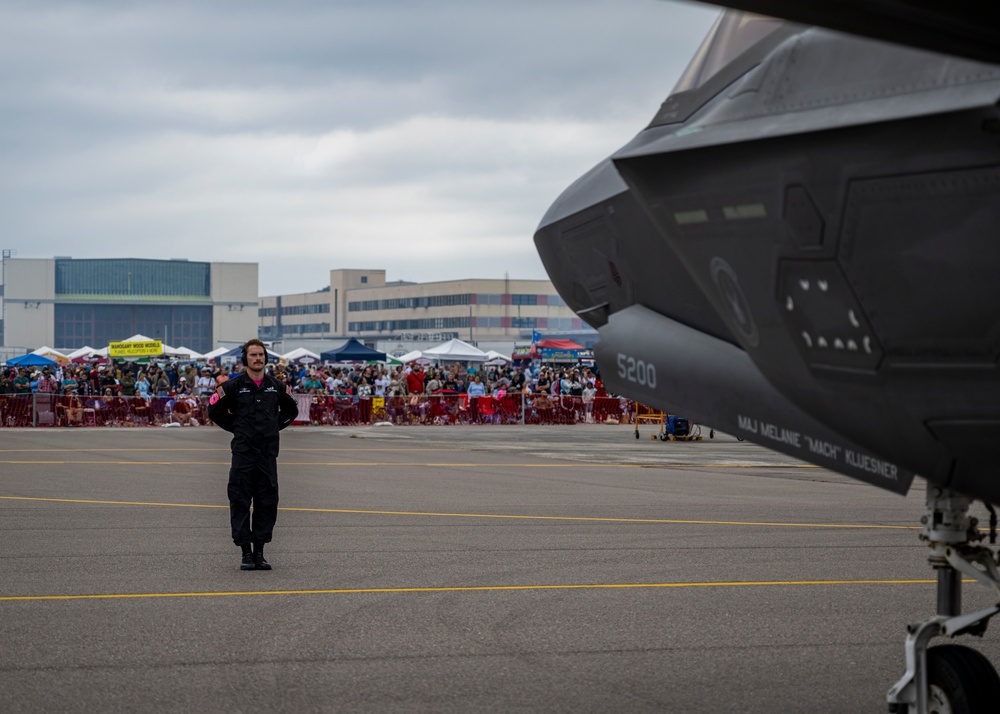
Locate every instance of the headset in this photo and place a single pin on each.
(243, 355)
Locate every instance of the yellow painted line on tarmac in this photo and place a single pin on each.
(221, 448)
(660, 464)
(111, 503)
(473, 464)
(466, 588)
(432, 514)
(78, 462)
(39, 462)
(288, 464)
(724, 465)
(75, 451)
(600, 519)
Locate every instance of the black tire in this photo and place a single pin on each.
(964, 678)
(637, 435)
(711, 434)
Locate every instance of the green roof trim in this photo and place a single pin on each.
(128, 299)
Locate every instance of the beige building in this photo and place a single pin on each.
(361, 304)
(67, 303)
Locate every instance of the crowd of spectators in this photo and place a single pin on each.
(171, 379)
(188, 385)
(476, 381)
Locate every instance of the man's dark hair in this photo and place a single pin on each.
(246, 348)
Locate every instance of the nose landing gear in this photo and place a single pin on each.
(950, 679)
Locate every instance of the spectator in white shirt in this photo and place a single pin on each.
(205, 384)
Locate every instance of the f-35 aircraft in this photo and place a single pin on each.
(803, 248)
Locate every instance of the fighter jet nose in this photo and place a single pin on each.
(603, 252)
(577, 245)
(596, 186)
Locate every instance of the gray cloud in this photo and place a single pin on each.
(424, 137)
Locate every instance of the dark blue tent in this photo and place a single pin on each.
(352, 351)
(31, 360)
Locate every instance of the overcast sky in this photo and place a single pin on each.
(424, 137)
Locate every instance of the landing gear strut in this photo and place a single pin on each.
(950, 679)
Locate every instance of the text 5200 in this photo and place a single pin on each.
(637, 371)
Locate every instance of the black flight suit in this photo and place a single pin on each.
(254, 415)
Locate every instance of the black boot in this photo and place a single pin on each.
(258, 557)
(248, 563)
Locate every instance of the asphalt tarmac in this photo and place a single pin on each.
(452, 569)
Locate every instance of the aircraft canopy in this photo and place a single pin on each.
(732, 34)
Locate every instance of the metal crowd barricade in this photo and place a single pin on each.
(16, 410)
(115, 411)
(44, 409)
(437, 409)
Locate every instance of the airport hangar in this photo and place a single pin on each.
(69, 303)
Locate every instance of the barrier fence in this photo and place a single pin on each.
(41, 410)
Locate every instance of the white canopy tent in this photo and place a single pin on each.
(215, 353)
(301, 355)
(455, 349)
(51, 353)
(494, 357)
(183, 353)
(85, 351)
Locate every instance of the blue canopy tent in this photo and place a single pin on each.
(31, 360)
(352, 351)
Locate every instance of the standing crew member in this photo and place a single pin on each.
(254, 406)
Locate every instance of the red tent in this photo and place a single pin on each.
(556, 350)
(559, 345)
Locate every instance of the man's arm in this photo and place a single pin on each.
(219, 408)
(288, 408)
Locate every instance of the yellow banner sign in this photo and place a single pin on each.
(135, 349)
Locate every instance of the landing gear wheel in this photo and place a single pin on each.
(960, 681)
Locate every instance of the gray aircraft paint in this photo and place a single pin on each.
(825, 210)
(683, 371)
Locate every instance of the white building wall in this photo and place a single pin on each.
(504, 316)
(235, 302)
(236, 282)
(29, 310)
(494, 318)
(342, 283)
(231, 326)
(29, 324)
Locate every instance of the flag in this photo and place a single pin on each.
(536, 336)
